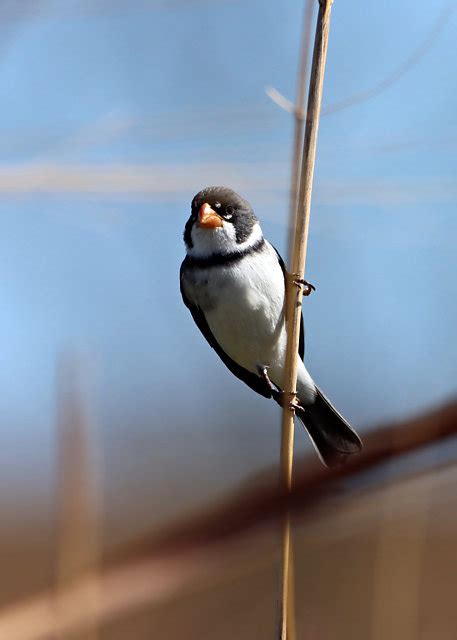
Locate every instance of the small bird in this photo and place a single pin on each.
(233, 283)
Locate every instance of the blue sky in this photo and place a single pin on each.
(113, 116)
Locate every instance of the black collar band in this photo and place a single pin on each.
(217, 259)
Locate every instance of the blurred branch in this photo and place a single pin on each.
(102, 7)
(299, 119)
(278, 98)
(77, 539)
(391, 78)
(400, 71)
(176, 181)
(157, 566)
(312, 484)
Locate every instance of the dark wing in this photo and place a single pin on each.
(251, 379)
(301, 344)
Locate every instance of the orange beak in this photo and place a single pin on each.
(208, 218)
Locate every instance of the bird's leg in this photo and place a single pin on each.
(300, 282)
(279, 396)
(263, 373)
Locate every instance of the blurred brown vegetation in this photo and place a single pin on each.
(373, 556)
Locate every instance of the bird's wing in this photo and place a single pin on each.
(301, 344)
(251, 379)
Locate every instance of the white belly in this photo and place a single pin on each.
(247, 328)
(244, 308)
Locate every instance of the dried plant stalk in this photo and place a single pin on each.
(294, 296)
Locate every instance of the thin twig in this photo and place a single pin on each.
(295, 294)
(299, 119)
(391, 78)
(419, 52)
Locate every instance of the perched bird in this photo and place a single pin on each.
(233, 283)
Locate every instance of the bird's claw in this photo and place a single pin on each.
(300, 282)
(280, 396)
(294, 404)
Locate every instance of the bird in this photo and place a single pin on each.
(233, 281)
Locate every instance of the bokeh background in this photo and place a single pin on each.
(114, 114)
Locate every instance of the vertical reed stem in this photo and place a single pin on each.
(294, 301)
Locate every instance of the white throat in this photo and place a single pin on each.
(221, 241)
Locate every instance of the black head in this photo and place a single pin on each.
(228, 206)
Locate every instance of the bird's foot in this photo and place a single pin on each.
(294, 403)
(282, 398)
(304, 284)
(275, 394)
(288, 400)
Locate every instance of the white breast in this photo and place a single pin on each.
(244, 308)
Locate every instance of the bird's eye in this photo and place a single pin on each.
(229, 212)
(217, 205)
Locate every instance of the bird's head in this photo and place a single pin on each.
(221, 222)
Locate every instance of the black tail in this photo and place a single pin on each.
(333, 438)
